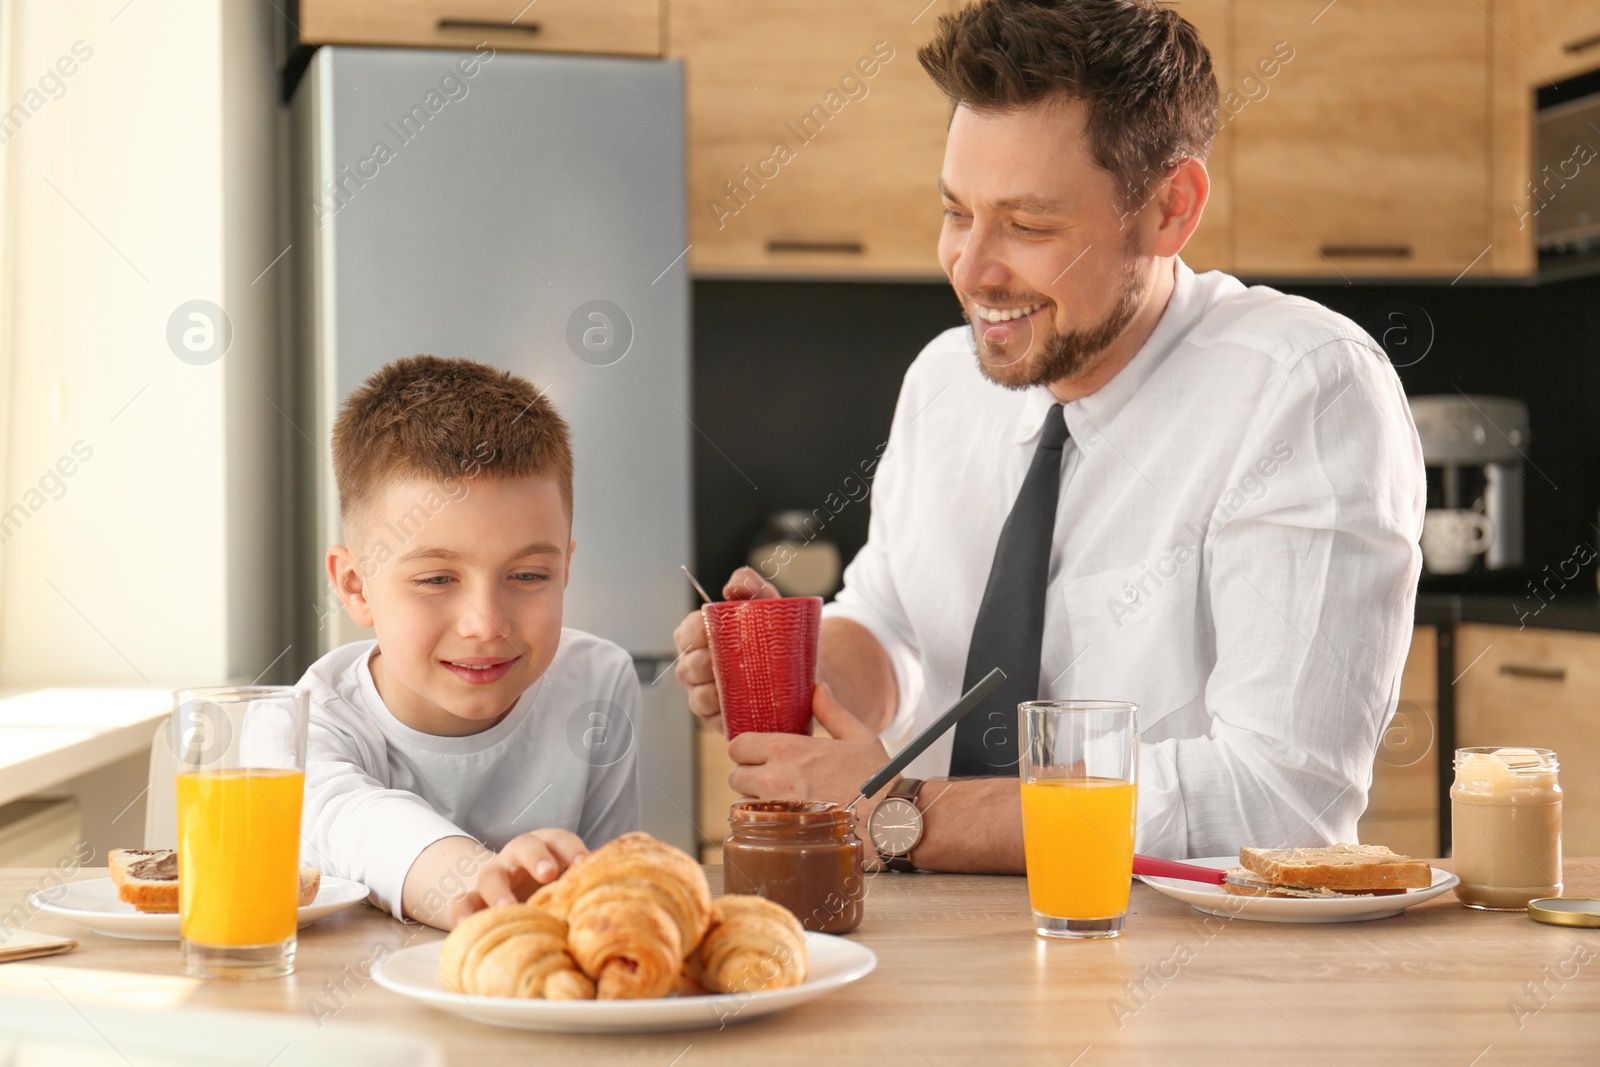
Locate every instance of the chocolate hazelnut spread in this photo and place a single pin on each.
(803, 854)
(157, 866)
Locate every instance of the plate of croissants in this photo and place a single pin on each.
(627, 940)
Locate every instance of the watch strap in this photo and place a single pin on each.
(906, 789)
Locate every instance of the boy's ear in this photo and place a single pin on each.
(349, 584)
(567, 575)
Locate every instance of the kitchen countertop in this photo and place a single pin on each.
(1563, 612)
(48, 736)
(962, 979)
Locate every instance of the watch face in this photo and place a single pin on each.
(895, 827)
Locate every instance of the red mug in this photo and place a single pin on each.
(764, 658)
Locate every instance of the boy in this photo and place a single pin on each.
(436, 750)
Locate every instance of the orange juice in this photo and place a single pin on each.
(239, 856)
(1078, 837)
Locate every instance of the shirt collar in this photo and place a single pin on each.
(1035, 402)
(1086, 414)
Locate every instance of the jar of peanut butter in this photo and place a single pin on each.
(1505, 814)
(803, 854)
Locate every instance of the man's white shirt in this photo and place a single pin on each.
(379, 792)
(1235, 551)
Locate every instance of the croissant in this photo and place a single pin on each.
(687, 984)
(753, 945)
(634, 907)
(512, 950)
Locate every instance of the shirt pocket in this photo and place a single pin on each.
(1134, 634)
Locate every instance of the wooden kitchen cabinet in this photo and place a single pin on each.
(1511, 146)
(1369, 152)
(1538, 689)
(616, 27)
(814, 137)
(713, 795)
(1403, 804)
(1560, 38)
(1346, 148)
(857, 198)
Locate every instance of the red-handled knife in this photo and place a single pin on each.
(1155, 868)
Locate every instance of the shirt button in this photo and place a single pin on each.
(1130, 594)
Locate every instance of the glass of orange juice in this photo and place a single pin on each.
(1079, 771)
(241, 777)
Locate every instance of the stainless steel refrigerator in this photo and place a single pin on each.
(526, 211)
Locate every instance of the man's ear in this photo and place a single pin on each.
(567, 577)
(1180, 201)
(350, 584)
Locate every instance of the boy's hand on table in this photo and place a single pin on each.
(527, 862)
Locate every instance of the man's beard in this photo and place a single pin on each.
(1056, 356)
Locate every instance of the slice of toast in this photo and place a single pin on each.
(1344, 867)
(1244, 883)
(310, 882)
(146, 878)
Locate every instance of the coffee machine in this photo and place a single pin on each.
(1473, 447)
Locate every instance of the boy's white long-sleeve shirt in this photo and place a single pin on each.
(378, 792)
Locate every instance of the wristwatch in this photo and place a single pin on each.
(895, 826)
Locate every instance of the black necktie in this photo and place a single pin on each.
(1009, 633)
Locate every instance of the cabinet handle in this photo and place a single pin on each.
(529, 28)
(1367, 251)
(838, 248)
(1549, 674)
(1581, 45)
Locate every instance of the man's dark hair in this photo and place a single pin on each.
(1139, 68)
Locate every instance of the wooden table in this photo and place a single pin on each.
(962, 979)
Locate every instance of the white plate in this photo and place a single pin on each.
(93, 902)
(834, 963)
(1214, 900)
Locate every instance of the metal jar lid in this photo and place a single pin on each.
(1565, 911)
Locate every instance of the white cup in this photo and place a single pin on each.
(1452, 537)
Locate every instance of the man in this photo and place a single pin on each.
(1125, 481)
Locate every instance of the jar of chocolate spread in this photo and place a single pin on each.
(803, 854)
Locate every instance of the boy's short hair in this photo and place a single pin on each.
(443, 419)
